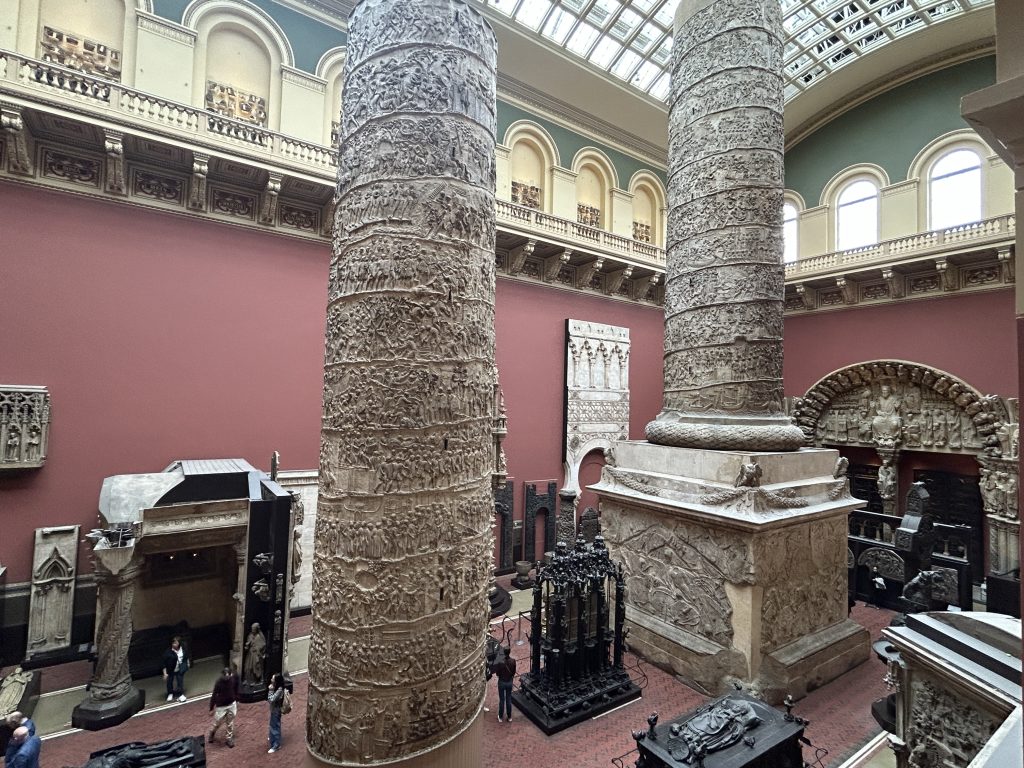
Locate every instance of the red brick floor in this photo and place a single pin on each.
(839, 715)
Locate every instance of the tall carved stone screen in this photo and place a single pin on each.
(403, 545)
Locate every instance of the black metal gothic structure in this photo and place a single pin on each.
(576, 669)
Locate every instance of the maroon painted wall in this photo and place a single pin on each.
(162, 337)
(969, 335)
(530, 324)
(159, 338)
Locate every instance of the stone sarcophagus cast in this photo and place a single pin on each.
(576, 669)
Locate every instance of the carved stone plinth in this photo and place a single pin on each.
(735, 564)
(403, 546)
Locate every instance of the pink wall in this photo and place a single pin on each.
(531, 357)
(159, 337)
(969, 335)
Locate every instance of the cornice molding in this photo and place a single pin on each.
(570, 117)
(303, 78)
(333, 13)
(165, 28)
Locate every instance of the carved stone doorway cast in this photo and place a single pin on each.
(536, 503)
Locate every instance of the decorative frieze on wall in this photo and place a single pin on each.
(642, 231)
(236, 204)
(296, 217)
(526, 195)
(54, 568)
(84, 171)
(24, 426)
(158, 187)
(228, 101)
(79, 53)
(596, 391)
(588, 215)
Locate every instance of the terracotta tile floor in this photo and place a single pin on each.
(839, 715)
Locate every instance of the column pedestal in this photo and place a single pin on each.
(735, 565)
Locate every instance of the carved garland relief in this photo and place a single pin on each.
(407, 452)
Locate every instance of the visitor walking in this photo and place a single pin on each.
(224, 705)
(175, 667)
(28, 747)
(276, 695)
(14, 721)
(504, 667)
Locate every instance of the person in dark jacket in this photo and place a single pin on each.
(224, 704)
(28, 747)
(175, 665)
(504, 667)
(14, 721)
(275, 695)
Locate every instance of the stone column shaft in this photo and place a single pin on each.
(724, 283)
(403, 541)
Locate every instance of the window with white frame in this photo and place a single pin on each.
(789, 232)
(857, 215)
(954, 189)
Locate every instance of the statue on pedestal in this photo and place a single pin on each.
(255, 651)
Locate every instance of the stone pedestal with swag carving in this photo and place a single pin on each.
(403, 543)
(733, 542)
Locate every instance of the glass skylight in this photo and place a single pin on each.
(632, 39)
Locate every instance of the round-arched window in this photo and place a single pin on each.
(954, 189)
(857, 215)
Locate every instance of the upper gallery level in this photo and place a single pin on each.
(229, 109)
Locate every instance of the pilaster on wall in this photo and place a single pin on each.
(9, 31)
(812, 231)
(164, 47)
(622, 213)
(899, 211)
(503, 172)
(563, 193)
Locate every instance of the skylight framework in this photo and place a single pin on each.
(632, 39)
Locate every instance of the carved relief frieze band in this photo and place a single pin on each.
(54, 569)
(233, 203)
(24, 426)
(229, 101)
(296, 217)
(74, 169)
(158, 187)
(588, 215)
(596, 391)
(526, 194)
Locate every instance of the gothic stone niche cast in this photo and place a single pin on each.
(80, 53)
(24, 426)
(724, 282)
(503, 509)
(53, 589)
(596, 391)
(534, 503)
(407, 450)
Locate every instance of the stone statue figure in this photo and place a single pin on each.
(13, 443)
(887, 424)
(749, 475)
(139, 755)
(296, 554)
(842, 467)
(887, 480)
(12, 688)
(255, 651)
(712, 728)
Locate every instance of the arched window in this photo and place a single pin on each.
(789, 232)
(857, 215)
(954, 189)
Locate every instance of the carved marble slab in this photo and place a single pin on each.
(596, 391)
(54, 568)
(24, 426)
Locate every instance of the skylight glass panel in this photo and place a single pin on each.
(643, 6)
(625, 65)
(626, 25)
(559, 26)
(666, 15)
(645, 75)
(660, 88)
(505, 6)
(604, 52)
(647, 37)
(582, 39)
(532, 13)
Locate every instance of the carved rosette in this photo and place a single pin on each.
(407, 450)
(724, 285)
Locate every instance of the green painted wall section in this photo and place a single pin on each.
(309, 38)
(569, 143)
(889, 130)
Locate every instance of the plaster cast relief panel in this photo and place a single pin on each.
(677, 573)
(526, 195)
(80, 54)
(408, 446)
(24, 426)
(303, 483)
(588, 215)
(946, 730)
(54, 568)
(228, 101)
(596, 391)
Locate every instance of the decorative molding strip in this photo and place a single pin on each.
(167, 29)
(304, 79)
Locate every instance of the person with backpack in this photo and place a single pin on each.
(504, 667)
(280, 701)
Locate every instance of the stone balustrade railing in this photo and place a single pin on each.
(530, 220)
(995, 231)
(42, 81)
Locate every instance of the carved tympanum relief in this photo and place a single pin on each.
(79, 53)
(596, 391)
(24, 426)
(54, 568)
(408, 450)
